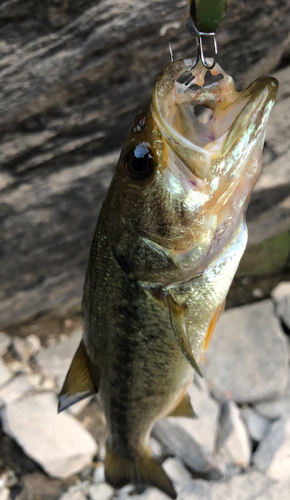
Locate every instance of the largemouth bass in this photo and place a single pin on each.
(168, 241)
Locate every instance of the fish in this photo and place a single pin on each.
(168, 241)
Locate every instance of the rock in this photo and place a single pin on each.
(257, 424)
(272, 456)
(252, 485)
(148, 494)
(55, 360)
(281, 297)
(176, 470)
(58, 443)
(58, 130)
(247, 360)
(5, 374)
(194, 489)
(5, 342)
(78, 407)
(233, 447)
(24, 348)
(99, 473)
(276, 408)
(192, 439)
(39, 483)
(18, 388)
(73, 495)
(157, 450)
(4, 493)
(101, 491)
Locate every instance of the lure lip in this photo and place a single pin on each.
(238, 116)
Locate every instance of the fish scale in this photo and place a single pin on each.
(168, 241)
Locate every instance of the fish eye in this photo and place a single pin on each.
(139, 162)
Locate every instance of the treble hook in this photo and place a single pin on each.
(199, 36)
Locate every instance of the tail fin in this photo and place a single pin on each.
(120, 471)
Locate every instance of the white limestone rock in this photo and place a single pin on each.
(176, 470)
(233, 447)
(5, 374)
(192, 439)
(248, 486)
(58, 443)
(102, 491)
(55, 361)
(272, 456)
(16, 389)
(247, 360)
(5, 342)
(99, 473)
(281, 297)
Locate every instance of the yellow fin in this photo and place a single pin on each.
(212, 325)
(82, 379)
(120, 471)
(177, 322)
(183, 409)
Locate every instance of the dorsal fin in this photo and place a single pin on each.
(177, 321)
(82, 379)
(183, 409)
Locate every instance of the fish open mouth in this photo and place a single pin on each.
(197, 141)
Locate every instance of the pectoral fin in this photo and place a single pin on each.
(212, 325)
(177, 321)
(82, 379)
(183, 409)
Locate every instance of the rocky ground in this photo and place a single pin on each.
(238, 448)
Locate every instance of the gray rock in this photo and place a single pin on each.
(233, 447)
(278, 407)
(5, 342)
(5, 374)
(257, 424)
(16, 389)
(192, 439)
(272, 456)
(247, 360)
(101, 491)
(281, 297)
(58, 443)
(176, 470)
(55, 360)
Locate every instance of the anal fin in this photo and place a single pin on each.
(82, 379)
(120, 471)
(183, 409)
(177, 321)
(212, 325)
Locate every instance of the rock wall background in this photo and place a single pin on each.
(73, 75)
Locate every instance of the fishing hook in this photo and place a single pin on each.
(199, 36)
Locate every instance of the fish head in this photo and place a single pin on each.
(183, 185)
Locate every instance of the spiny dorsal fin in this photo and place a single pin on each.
(183, 409)
(212, 325)
(120, 471)
(82, 379)
(177, 321)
